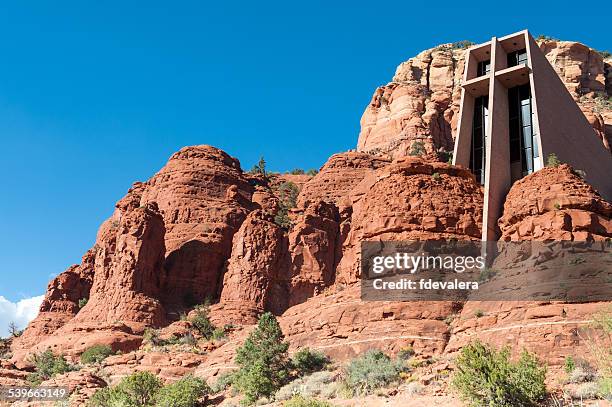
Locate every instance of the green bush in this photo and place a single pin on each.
(218, 334)
(569, 364)
(187, 392)
(552, 160)
(312, 172)
(371, 371)
(151, 336)
(96, 354)
(137, 390)
(297, 171)
(260, 167)
(486, 377)
(223, 382)
(417, 149)
(287, 199)
(262, 360)
(83, 302)
(46, 365)
(201, 322)
(306, 361)
(299, 401)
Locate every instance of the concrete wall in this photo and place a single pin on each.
(563, 128)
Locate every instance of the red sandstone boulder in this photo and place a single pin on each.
(555, 203)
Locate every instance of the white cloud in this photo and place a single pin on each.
(20, 312)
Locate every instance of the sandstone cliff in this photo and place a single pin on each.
(421, 103)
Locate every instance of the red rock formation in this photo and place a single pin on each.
(313, 245)
(204, 198)
(255, 280)
(555, 203)
(337, 178)
(406, 201)
(421, 103)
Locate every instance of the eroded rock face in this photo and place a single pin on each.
(337, 178)
(256, 280)
(411, 200)
(313, 243)
(555, 203)
(204, 198)
(421, 103)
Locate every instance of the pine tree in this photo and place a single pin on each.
(263, 361)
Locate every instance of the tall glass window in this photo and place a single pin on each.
(483, 68)
(524, 152)
(517, 58)
(479, 132)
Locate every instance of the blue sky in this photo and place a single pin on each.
(97, 95)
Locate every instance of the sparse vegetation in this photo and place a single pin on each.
(486, 377)
(371, 371)
(96, 354)
(436, 176)
(569, 364)
(605, 54)
(406, 353)
(417, 148)
(318, 384)
(137, 390)
(83, 302)
(287, 196)
(201, 322)
(300, 401)
(479, 313)
(14, 331)
(187, 392)
(260, 168)
(47, 365)
(312, 172)
(263, 361)
(306, 361)
(462, 44)
(552, 160)
(545, 38)
(296, 171)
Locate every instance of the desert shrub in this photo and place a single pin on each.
(485, 376)
(464, 44)
(223, 382)
(137, 390)
(306, 361)
(587, 391)
(605, 54)
(552, 160)
(188, 339)
(187, 392)
(218, 334)
(417, 148)
(312, 172)
(602, 353)
(260, 168)
(287, 199)
(297, 171)
(569, 364)
(318, 384)
(46, 365)
(406, 353)
(581, 375)
(299, 401)
(201, 322)
(83, 302)
(96, 354)
(14, 331)
(263, 361)
(436, 176)
(151, 336)
(479, 313)
(371, 371)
